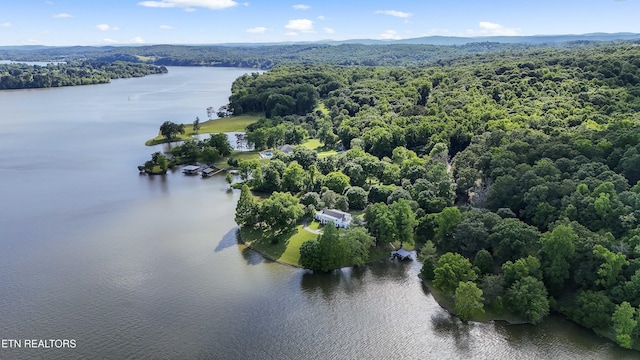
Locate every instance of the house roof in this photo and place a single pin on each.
(404, 253)
(287, 149)
(336, 214)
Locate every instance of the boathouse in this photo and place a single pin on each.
(191, 170)
(401, 254)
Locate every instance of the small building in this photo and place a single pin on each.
(208, 172)
(401, 254)
(287, 149)
(339, 218)
(191, 170)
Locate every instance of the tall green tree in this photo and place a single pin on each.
(380, 222)
(246, 209)
(557, 253)
(624, 323)
(468, 300)
(404, 219)
(293, 177)
(196, 125)
(527, 297)
(336, 181)
(170, 130)
(611, 267)
(331, 252)
(451, 270)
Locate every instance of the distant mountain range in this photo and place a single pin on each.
(456, 41)
(426, 40)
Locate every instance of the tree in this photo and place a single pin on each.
(210, 112)
(293, 177)
(447, 221)
(557, 252)
(229, 179)
(331, 252)
(336, 181)
(611, 267)
(357, 242)
(357, 197)
(220, 141)
(513, 239)
(380, 222)
(246, 209)
(592, 309)
(196, 125)
(484, 262)
(624, 323)
(468, 300)
(527, 297)
(521, 268)
(451, 270)
(310, 255)
(280, 212)
(170, 130)
(404, 219)
(428, 257)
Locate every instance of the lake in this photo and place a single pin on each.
(135, 266)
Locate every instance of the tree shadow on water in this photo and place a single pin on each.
(450, 326)
(346, 280)
(229, 239)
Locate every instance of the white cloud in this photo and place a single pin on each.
(245, 4)
(137, 40)
(166, 27)
(301, 7)
(396, 13)
(107, 27)
(110, 41)
(6, 24)
(389, 35)
(61, 16)
(329, 31)
(321, 17)
(299, 26)
(257, 30)
(49, 2)
(487, 28)
(190, 4)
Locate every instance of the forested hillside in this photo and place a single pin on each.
(23, 76)
(265, 57)
(520, 168)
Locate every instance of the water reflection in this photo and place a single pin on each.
(450, 327)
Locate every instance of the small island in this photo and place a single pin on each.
(515, 176)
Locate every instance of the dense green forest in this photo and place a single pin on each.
(23, 76)
(517, 173)
(265, 57)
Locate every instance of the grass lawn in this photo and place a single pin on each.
(291, 254)
(286, 251)
(238, 155)
(229, 124)
(315, 144)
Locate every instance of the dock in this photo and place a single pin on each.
(210, 171)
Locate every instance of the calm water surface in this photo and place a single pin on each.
(134, 266)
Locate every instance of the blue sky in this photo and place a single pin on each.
(114, 22)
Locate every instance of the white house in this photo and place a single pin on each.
(339, 218)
